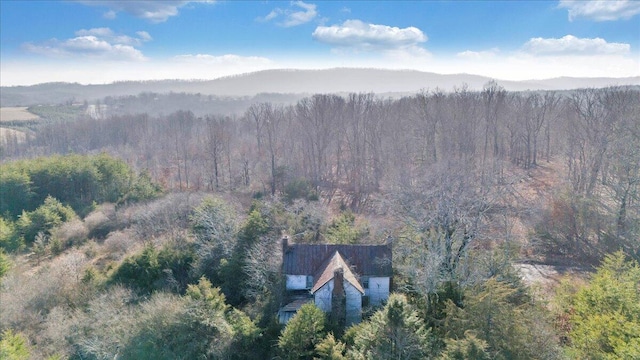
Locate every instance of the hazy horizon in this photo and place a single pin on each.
(101, 42)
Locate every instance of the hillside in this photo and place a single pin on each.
(291, 82)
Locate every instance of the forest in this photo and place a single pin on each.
(149, 227)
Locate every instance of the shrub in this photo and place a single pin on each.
(43, 219)
(299, 189)
(605, 314)
(153, 270)
(13, 346)
(70, 233)
(5, 263)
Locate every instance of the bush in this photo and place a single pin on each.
(604, 315)
(299, 189)
(154, 270)
(70, 233)
(13, 346)
(343, 230)
(5, 263)
(43, 219)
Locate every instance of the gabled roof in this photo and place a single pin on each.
(327, 271)
(365, 260)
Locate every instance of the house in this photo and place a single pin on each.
(339, 279)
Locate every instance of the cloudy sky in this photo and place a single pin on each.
(101, 41)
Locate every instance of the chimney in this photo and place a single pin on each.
(338, 282)
(389, 241)
(285, 244)
(338, 314)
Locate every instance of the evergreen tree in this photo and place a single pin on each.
(394, 332)
(303, 333)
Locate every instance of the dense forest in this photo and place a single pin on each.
(150, 226)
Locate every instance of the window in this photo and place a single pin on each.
(309, 281)
(365, 282)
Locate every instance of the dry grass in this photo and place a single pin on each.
(16, 114)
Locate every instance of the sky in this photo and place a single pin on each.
(103, 41)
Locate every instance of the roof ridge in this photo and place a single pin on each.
(327, 270)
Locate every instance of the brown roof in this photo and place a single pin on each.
(365, 260)
(327, 272)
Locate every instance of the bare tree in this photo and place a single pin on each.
(443, 214)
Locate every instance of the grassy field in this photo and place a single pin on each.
(16, 114)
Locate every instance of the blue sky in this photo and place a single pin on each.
(100, 41)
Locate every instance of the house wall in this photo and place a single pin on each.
(378, 290)
(296, 282)
(322, 297)
(353, 304)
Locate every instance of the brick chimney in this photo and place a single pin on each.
(338, 300)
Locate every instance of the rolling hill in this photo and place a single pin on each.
(291, 81)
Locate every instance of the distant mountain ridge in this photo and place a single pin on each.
(337, 80)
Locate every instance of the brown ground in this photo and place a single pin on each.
(16, 114)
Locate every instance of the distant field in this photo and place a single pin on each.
(16, 114)
(8, 134)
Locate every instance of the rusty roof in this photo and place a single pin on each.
(327, 272)
(365, 260)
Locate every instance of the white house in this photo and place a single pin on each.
(339, 279)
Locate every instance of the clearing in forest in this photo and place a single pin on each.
(16, 114)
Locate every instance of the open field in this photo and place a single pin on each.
(16, 114)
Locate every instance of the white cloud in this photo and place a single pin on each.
(601, 10)
(225, 60)
(272, 15)
(358, 35)
(102, 32)
(478, 55)
(144, 36)
(571, 45)
(154, 11)
(96, 43)
(300, 17)
(293, 16)
(110, 15)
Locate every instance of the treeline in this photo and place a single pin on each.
(39, 194)
(358, 144)
(357, 149)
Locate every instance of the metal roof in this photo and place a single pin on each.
(295, 305)
(365, 260)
